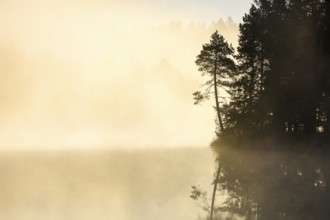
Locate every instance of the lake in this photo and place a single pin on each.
(103, 185)
(289, 182)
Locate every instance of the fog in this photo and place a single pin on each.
(77, 79)
(125, 185)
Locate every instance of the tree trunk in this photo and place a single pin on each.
(251, 86)
(215, 184)
(258, 212)
(262, 74)
(216, 97)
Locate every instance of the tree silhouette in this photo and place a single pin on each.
(278, 99)
(282, 84)
(215, 60)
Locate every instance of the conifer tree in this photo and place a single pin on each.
(216, 61)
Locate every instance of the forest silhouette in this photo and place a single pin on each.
(273, 130)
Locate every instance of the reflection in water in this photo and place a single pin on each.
(265, 185)
(102, 185)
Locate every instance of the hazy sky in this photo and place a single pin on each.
(78, 74)
(149, 11)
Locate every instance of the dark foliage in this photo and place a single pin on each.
(276, 184)
(282, 86)
(215, 60)
(276, 123)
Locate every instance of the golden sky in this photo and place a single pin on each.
(79, 74)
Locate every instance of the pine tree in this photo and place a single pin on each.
(216, 61)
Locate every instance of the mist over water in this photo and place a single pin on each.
(99, 185)
(78, 83)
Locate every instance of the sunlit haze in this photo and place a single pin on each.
(93, 74)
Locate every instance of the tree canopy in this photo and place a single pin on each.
(281, 82)
(275, 124)
(215, 60)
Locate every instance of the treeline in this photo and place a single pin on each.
(277, 96)
(278, 80)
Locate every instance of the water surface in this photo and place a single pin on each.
(103, 185)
